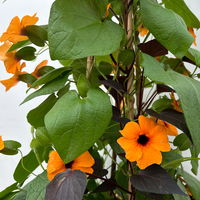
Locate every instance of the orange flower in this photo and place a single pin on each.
(11, 62)
(9, 83)
(143, 142)
(142, 30)
(107, 9)
(1, 143)
(169, 128)
(191, 30)
(16, 31)
(38, 67)
(175, 103)
(56, 165)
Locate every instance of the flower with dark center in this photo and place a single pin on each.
(143, 142)
(84, 162)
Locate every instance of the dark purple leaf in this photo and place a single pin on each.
(113, 84)
(186, 59)
(106, 186)
(173, 117)
(155, 179)
(163, 88)
(153, 48)
(98, 169)
(116, 114)
(68, 185)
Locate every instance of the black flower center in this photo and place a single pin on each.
(69, 165)
(143, 139)
(23, 31)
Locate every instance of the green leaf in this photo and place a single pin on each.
(20, 196)
(75, 122)
(180, 7)
(169, 157)
(194, 163)
(25, 167)
(10, 147)
(49, 76)
(126, 57)
(35, 190)
(36, 116)
(8, 190)
(27, 78)
(42, 136)
(49, 88)
(19, 45)
(26, 53)
(194, 55)
(162, 104)
(182, 142)
(167, 27)
(185, 87)
(192, 182)
(83, 85)
(36, 34)
(84, 34)
(42, 71)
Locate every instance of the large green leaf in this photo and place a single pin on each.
(80, 29)
(194, 55)
(180, 7)
(74, 123)
(186, 88)
(34, 190)
(167, 27)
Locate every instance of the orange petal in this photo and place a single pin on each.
(11, 63)
(149, 156)
(132, 149)
(55, 165)
(107, 9)
(39, 66)
(13, 28)
(29, 20)
(191, 30)
(142, 30)
(158, 139)
(1, 143)
(84, 169)
(146, 124)
(17, 38)
(131, 130)
(84, 160)
(169, 128)
(4, 49)
(9, 83)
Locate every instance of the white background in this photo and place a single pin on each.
(13, 124)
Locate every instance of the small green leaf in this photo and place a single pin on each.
(49, 76)
(42, 135)
(162, 104)
(75, 122)
(36, 116)
(19, 45)
(25, 167)
(27, 78)
(169, 157)
(180, 7)
(194, 55)
(167, 27)
(36, 34)
(26, 53)
(42, 71)
(81, 35)
(11, 147)
(8, 190)
(180, 197)
(48, 88)
(83, 85)
(182, 142)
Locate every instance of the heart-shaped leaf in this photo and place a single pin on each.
(67, 185)
(155, 179)
(74, 124)
(79, 27)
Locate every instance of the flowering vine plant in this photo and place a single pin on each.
(121, 104)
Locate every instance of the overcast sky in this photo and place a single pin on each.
(13, 125)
